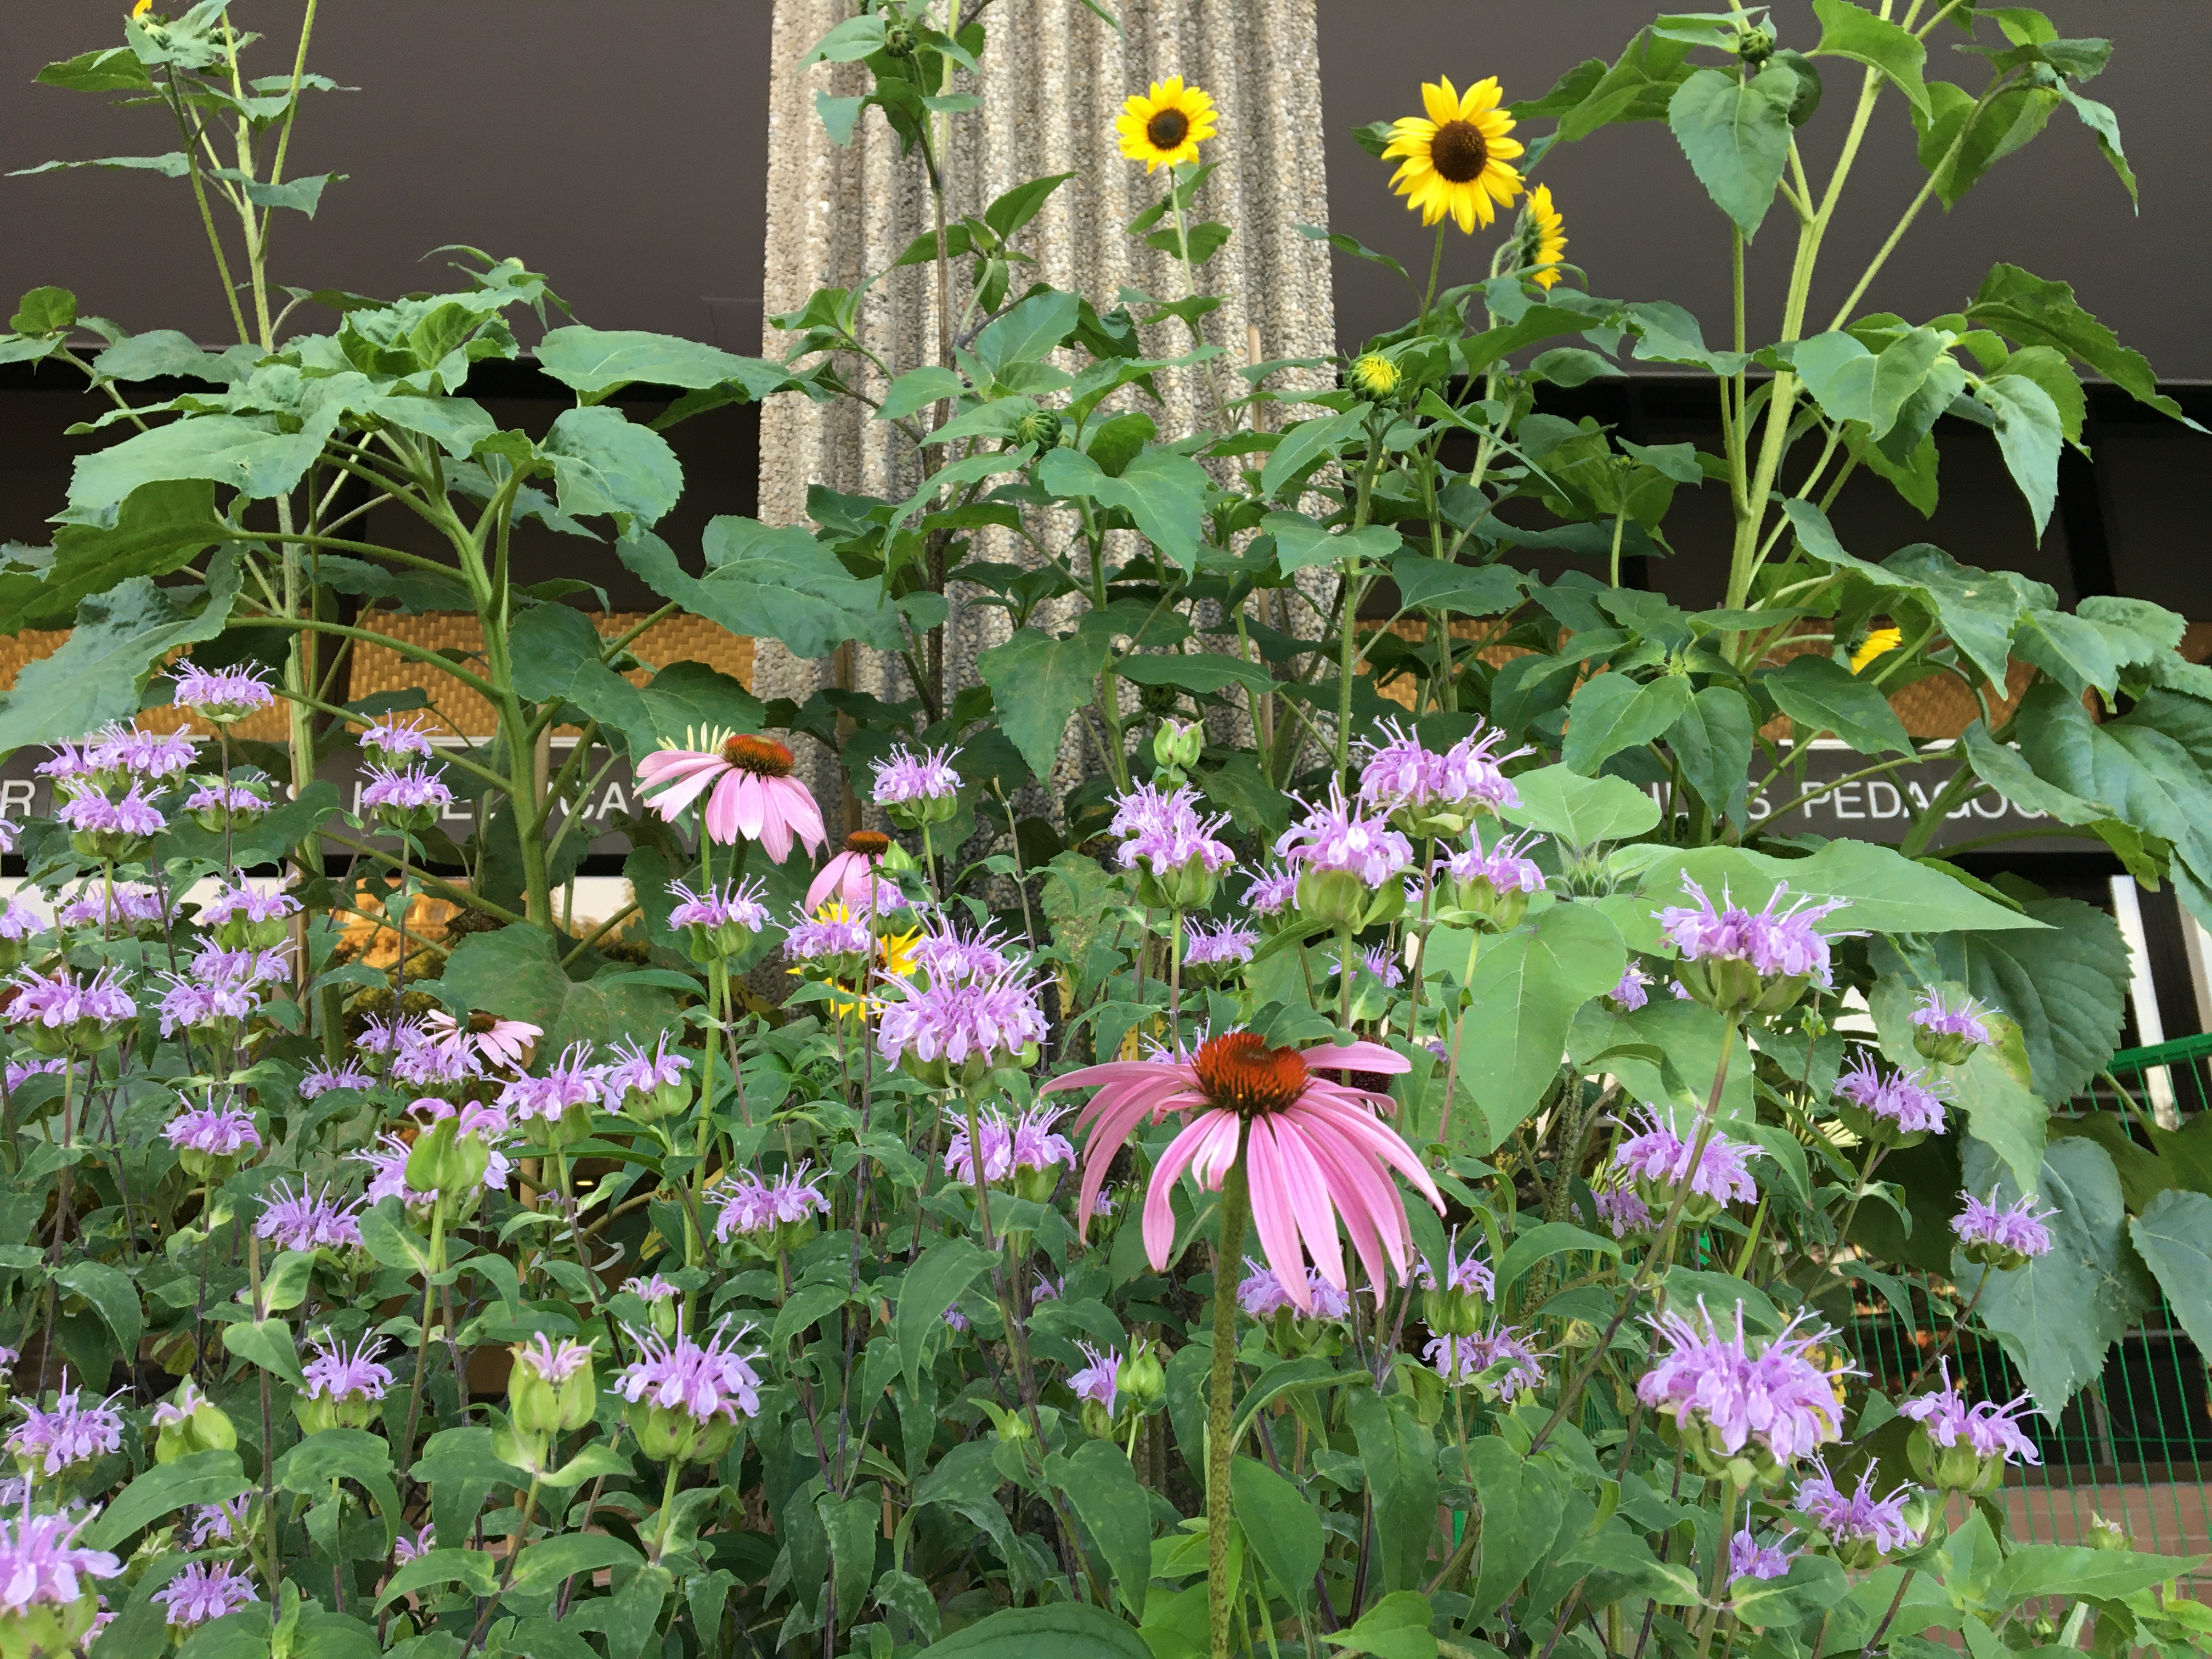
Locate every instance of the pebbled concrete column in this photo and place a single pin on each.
(1053, 78)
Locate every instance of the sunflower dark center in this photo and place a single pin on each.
(868, 843)
(480, 1023)
(763, 755)
(1458, 153)
(1167, 129)
(1239, 1071)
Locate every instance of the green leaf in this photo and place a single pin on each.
(224, 449)
(2173, 1235)
(1995, 1089)
(516, 973)
(850, 1524)
(267, 1343)
(1299, 542)
(599, 363)
(2106, 126)
(1889, 892)
(1527, 987)
(2090, 647)
(2077, 1571)
(386, 1237)
(1037, 681)
(1027, 333)
(43, 311)
(1813, 1584)
(113, 1295)
(1849, 31)
(1241, 788)
(208, 1477)
(1162, 491)
(1281, 1528)
(687, 694)
(1522, 1503)
(163, 351)
(1204, 674)
(805, 1305)
(1306, 442)
(604, 463)
(1712, 744)
(556, 652)
(1821, 695)
(1611, 712)
(475, 1571)
(120, 639)
(1104, 1492)
(1398, 1456)
(917, 389)
(1581, 811)
(2143, 774)
(343, 1454)
(1427, 584)
(1737, 135)
(772, 583)
(933, 1283)
(1065, 1629)
(542, 1565)
(2029, 311)
(2000, 766)
(1545, 1240)
(113, 69)
(2057, 1317)
(2029, 434)
(1395, 1627)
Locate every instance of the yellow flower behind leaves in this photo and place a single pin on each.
(1165, 125)
(141, 8)
(1880, 643)
(893, 955)
(1454, 162)
(1543, 237)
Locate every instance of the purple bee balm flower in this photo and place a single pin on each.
(1463, 1358)
(1377, 960)
(1334, 836)
(218, 1131)
(1472, 770)
(903, 775)
(1777, 944)
(1398, 771)
(1261, 1295)
(1025, 1143)
(388, 1036)
(1624, 1210)
(406, 1549)
(134, 814)
(18, 921)
(10, 834)
(423, 1062)
(572, 1080)
(20, 1071)
(41, 1565)
(1227, 944)
(1990, 1430)
(409, 789)
(189, 1399)
(1658, 1155)
(219, 985)
(947, 954)
(653, 1288)
(1461, 1273)
(70, 1433)
(332, 1373)
(1166, 832)
(62, 1000)
(1630, 994)
(723, 904)
(222, 1523)
(1909, 1100)
(241, 901)
(1858, 1517)
(636, 1071)
(954, 1319)
(306, 1221)
(1777, 1397)
(126, 904)
(2019, 1229)
(220, 695)
(1747, 1559)
(320, 1079)
(1048, 1289)
(704, 1382)
(549, 1362)
(1937, 1016)
(398, 739)
(201, 1592)
(1099, 1381)
(994, 1016)
(813, 938)
(119, 748)
(1271, 891)
(1502, 866)
(753, 1206)
(65, 764)
(212, 797)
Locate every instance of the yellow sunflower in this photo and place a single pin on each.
(1166, 124)
(1543, 237)
(893, 955)
(1454, 162)
(1880, 643)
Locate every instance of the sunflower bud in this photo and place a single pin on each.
(1040, 427)
(1375, 376)
(1754, 46)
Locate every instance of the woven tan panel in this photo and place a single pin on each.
(28, 648)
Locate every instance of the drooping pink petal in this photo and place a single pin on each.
(1368, 1206)
(831, 879)
(1385, 1142)
(749, 808)
(1273, 1216)
(721, 815)
(1306, 1190)
(685, 782)
(800, 812)
(1200, 1136)
(1355, 1057)
(775, 836)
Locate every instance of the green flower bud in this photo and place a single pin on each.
(1375, 376)
(190, 1422)
(1754, 46)
(669, 1434)
(41, 1630)
(1097, 1421)
(923, 809)
(1040, 427)
(1944, 1048)
(1187, 886)
(447, 1161)
(1141, 1379)
(552, 1390)
(1177, 747)
(1338, 898)
(1955, 1468)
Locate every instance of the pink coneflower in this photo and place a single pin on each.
(1461, 1360)
(495, 1041)
(1990, 1430)
(220, 695)
(306, 1221)
(1777, 1397)
(1908, 1101)
(854, 879)
(754, 793)
(2018, 1231)
(1317, 1149)
(1261, 1295)
(1857, 1517)
(201, 1592)
(903, 776)
(1225, 944)
(41, 1565)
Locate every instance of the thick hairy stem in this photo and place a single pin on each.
(1236, 1205)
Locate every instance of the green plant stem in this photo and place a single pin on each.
(1730, 1498)
(1236, 1205)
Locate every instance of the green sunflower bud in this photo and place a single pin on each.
(1375, 376)
(1040, 427)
